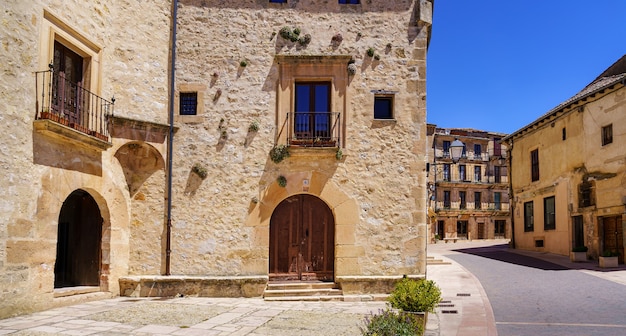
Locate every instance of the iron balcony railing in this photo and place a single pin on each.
(70, 104)
(313, 129)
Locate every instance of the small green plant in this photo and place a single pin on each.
(279, 153)
(377, 57)
(305, 40)
(580, 249)
(296, 31)
(370, 52)
(243, 63)
(254, 127)
(609, 253)
(391, 323)
(415, 295)
(282, 181)
(199, 170)
(437, 237)
(339, 154)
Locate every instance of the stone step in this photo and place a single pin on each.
(306, 298)
(437, 262)
(301, 292)
(301, 285)
(305, 291)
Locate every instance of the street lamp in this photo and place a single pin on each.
(456, 150)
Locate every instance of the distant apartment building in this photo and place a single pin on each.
(568, 179)
(468, 195)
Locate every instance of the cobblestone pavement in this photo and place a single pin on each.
(195, 316)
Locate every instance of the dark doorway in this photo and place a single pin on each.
(302, 240)
(614, 236)
(578, 231)
(481, 231)
(79, 242)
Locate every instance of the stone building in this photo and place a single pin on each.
(469, 196)
(568, 179)
(92, 103)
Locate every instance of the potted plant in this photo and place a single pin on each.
(389, 322)
(579, 253)
(609, 259)
(415, 296)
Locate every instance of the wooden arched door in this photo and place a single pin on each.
(302, 240)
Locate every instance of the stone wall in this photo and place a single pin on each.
(376, 191)
(125, 44)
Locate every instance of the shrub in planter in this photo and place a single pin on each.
(392, 323)
(415, 295)
(279, 153)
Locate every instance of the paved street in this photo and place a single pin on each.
(541, 294)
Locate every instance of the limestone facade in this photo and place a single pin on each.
(367, 171)
(568, 177)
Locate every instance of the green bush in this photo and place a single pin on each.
(415, 295)
(391, 323)
(279, 153)
(580, 249)
(608, 253)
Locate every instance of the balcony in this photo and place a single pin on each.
(68, 104)
(313, 129)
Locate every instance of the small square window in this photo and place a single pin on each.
(188, 103)
(279, 1)
(352, 2)
(607, 135)
(383, 107)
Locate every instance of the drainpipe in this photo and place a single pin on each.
(170, 142)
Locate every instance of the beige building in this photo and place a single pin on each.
(568, 178)
(298, 147)
(468, 195)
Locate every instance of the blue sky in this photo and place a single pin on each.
(497, 65)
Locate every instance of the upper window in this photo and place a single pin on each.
(446, 199)
(497, 200)
(497, 174)
(446, 148)
(477, 200)
(462, 173)
(534, 165)
(383, 107)
(279, 1)
(607, 134)
(563, 133)
(446, 172)
(529, 222)
(549, 218)
(354, 2)
(312, 111)
(477, 151)
(188, 103)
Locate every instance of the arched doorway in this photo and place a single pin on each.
(78, 258)
(302, 240)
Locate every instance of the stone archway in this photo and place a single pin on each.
(302, 240)
(79, 242)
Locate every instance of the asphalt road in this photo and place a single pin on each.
(535, 297)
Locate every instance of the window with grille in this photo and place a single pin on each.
(188, 103)
(585, 195)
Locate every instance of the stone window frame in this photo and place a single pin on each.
(55, 30)
(529, 216)
(311, 68)
(607, 134)
(549, 215)
(385, 95)
(197, 88)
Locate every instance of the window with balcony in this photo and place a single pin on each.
(477, 173)
(497, 174)
(529, 224)
(462, 173)
(66, 93)
(462, 200)
(549, 216)
(446, 148)
(446, 172)
(477, 151)
(312, 116)
(607, 134)
(534, 165)
(446, 199)
(477, 200)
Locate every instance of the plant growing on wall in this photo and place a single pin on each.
(339, 154)
(243, 63)
(305, 40)
(279, 153)
(199, 170)
(222, 129)
(337, 38)
(282, 181)
(254, 127)
(370, 52)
